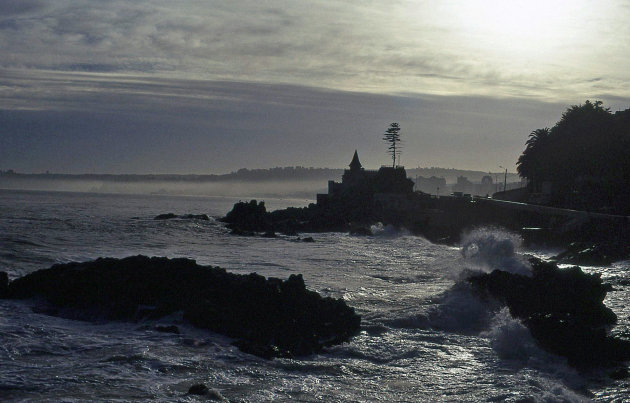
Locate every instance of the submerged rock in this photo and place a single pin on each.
(4, 284)
(169, 216)
(166, 216)
(361, 230)
(167, 329)
(563, 309)
(203, 217)
(202, 390)
(268, 317)
(198, 389)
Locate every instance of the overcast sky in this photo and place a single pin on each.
(109, 86)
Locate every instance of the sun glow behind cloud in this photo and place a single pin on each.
(522, 30)
(536, 49)
(213, 67)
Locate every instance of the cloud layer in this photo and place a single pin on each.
(212, 86)
(456, 48)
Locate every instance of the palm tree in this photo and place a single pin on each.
(531, 163)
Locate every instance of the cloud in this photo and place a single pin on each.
(19, 7)
(189, 86)
(360, 46)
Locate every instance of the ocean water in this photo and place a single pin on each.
(424, 337)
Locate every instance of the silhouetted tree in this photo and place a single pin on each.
(531, 164)
(585, 156)
(392, 136)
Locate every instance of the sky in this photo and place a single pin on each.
(113, 86)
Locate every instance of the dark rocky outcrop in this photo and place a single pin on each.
(268, 317)
(202, 390)
(563, 309)
(593, 253)
(248, 216)
(589, 239)
(4, 284)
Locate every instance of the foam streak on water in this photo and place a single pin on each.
(425, 335)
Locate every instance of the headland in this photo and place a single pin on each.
(365, 197)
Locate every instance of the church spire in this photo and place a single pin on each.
(355, 164)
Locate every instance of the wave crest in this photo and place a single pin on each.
(494, 249)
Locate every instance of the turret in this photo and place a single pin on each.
(355, 165)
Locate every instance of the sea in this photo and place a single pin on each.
(424, 335)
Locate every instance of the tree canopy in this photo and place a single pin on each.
(585, 157)
(392, 136)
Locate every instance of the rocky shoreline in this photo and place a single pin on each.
(589, 243)
(562, 308)
(268, 317)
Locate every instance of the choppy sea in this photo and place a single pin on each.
(424, 337)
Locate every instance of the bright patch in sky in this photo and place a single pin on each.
(218, 85)
(527, 28)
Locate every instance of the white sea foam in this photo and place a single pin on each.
(422, 340)
(510, 338)
(388, 230)
(492, 249)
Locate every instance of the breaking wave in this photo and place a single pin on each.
(491, 249)
(387, 231)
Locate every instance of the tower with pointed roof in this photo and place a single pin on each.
(359, 185)
(355, 164)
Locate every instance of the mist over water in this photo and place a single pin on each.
(256, 189)
(425, 335)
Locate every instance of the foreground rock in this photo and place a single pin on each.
(269, 317)
(563, 309)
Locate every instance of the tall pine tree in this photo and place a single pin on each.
(392, 136)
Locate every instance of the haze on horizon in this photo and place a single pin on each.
(211, 87)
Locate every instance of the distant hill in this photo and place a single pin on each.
(294, 182)
(254, 175)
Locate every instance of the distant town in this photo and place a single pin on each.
(433, 180)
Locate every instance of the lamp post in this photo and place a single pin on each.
(504, 178)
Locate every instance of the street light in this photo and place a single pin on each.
(504, 178)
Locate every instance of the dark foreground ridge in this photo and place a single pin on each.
(268, 317)
(563, 309)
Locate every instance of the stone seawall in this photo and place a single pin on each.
(449, 216)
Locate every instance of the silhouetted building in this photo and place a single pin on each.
(361, 185)
(432, 185)
(486, 187)
(463, 185)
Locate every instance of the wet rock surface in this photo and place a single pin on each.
(563, 309)
(594, 253)
(268, 317)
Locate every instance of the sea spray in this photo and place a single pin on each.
(510, 339)
(387, 230)
(491, 249)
